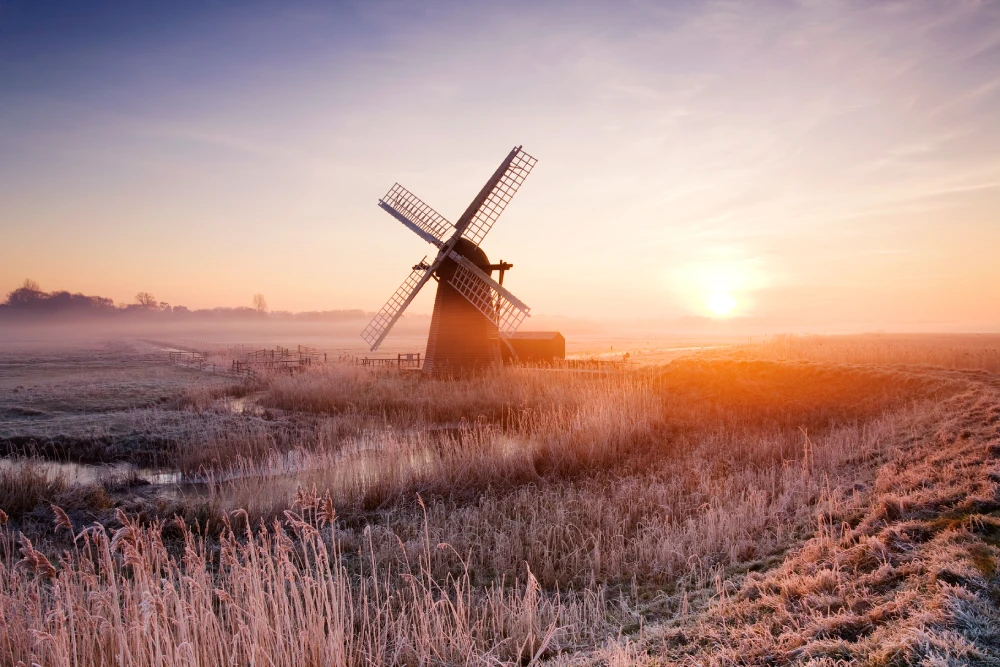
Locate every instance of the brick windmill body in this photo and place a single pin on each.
(472, 311)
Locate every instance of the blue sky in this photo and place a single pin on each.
(817, 162)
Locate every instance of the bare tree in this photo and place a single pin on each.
(29, 292)
(146, 300)
(259, 304)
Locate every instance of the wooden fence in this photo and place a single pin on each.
(251, 365)
(192, 360)
(409, 360)
(278, 360)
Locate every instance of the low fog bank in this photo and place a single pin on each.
(30, 315)
(741, 327)
(71, 330)
(346, 327)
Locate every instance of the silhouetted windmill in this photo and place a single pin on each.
(471, 310)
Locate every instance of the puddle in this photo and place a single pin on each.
(287, 469)
(85, 473)
(245, 404)
(367, 462)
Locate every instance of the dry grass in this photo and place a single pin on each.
(557, 512)
(542, 429)
(27, 486)
(279, 595)
(969, 351)
(912, 581)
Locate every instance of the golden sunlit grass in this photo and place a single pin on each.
(912, 580)
(519, 516)
(972, 351)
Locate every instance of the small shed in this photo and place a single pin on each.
(533, 347)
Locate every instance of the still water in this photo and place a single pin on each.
(84, 473)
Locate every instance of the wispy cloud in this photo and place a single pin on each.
(796, 138)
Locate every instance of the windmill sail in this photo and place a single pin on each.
(379, 327)
(488, 296)
(478, 219)
(459, 339)
(406, 207)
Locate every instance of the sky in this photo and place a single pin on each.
(816, 164)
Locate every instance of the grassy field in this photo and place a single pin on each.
(799, 501)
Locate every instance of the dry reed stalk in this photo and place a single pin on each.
(266, 597)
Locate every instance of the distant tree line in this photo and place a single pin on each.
(30, 301)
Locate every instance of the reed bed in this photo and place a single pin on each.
(617, 417)
(507, 519)
(278, 595)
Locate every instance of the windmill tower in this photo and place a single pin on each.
(472, 311)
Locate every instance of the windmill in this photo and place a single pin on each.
(471, 309)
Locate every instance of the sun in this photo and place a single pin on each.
(720, 289)
(721, 303)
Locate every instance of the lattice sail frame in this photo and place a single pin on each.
(406, 207)
(379, 327)
(488, 296)
(481, 223)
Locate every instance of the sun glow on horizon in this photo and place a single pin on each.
(720, 304)
(720, 288)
